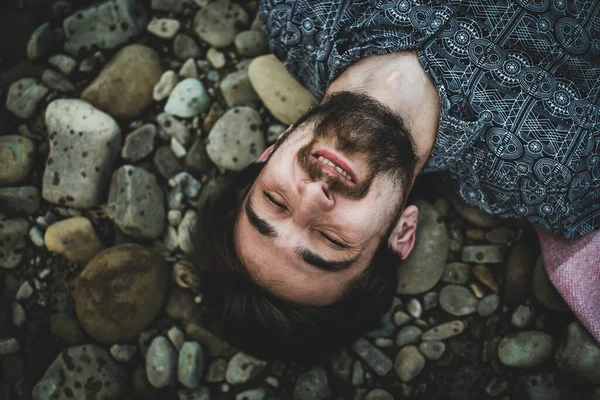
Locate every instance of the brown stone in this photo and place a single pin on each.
(75, 238)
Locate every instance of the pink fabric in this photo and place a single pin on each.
(573, 266)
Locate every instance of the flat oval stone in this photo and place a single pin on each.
(285, 98)
(191, 365)
(375, 358)
(433, 350)
(84, 147)
(16, 158)
(120, 291)
(218, 22)
(139, 143)
(161, 363)
(124, 87)
(136, 203)
(424, 266)
(188, 99)
(251, 43)
(444, 331)
(236, 140)
(75, 238)
(23, 97)
(526, 349)
(457, 300)
(456, 272)
(488, 305)
(409, 363)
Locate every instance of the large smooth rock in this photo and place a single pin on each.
(285, 98)
(312, 385)
(12, 240)
(84, 147)
(124, 87)
(236, 140)
(75, 238)
(120, 292)
(23, 97)
(218, 22)
(82, 372)
(526, 349)
(425, 264)
(104, 26)
(16, 158)
(136, 203)
(579, 353)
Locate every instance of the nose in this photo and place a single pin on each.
(314, 197)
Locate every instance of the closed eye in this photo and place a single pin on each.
(273, 201)
(333, 241)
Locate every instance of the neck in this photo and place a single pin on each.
(398, 81)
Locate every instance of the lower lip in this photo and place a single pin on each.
(336, 160)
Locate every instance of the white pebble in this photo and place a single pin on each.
(215, 57)
(25, 291)
(37, 237)
(174, 217)
(164, 28)
(271, 380)
(165, 85)
(171, 240)
(123, 352)
(177, 148)
(224, 388)
(18, 314)
(384, 342)
(414, 308)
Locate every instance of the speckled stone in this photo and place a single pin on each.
(17, 154)
(84, 147)
(161, 363)
(24, 96)
(237, 90)
(444, 331)
(526, 349)
(188, 99)
(312, 385)
(433, 350)
(139, 143)
(243, 368)
(218, 22)
(13, 233)
(251, 43)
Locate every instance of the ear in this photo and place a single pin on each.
(265, 155)
(403, 236)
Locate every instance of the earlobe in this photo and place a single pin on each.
(403, 236)
(265, 155)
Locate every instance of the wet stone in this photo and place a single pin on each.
(484, 254)
(164, 28)
(475, 216)
(167, 164)
(251, 43)
(191, 365)
(188, 185)
(25, 291)
(218, 22)
(13, 233)
(523, 316)
(312, 385)
(500, 235)
(188, 99)
(408, 335)
(433, 349)
(36, 236)
(485, 276)
(139, 143)
(64, 63)
(57, 81)
(185, 47)
(243, 368)
(123, 352)
(216, 370)
(409, 363)
(237, 90)
(216, 58)
(457, 300)
(358, 374)
(487, 305)
(161, 363)
(23, 97)
(374, 358)
(444, 331)
(236, 140)
(526, 349)
(84, 147)
(136, 203)
(177, 337)
(87, 364)
(105, 26)
(185, 229)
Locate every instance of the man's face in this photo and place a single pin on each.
(305, 229)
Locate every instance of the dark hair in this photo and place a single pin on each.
(261, 324)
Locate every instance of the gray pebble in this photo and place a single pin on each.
(523, 316)
(84, 147)
(414, 308)
(136, 203)
(312, 385)
(9, 346)
(174, 128)
(123, 352)
(341, 365)
(214, 23)
(457, 300)
(139, 143)
(401, 318)
(216, 370)
(236, 140)
(251, 43)
(64, 63)
(188, 99)
(12, 240)
(197, 160)
(166, 163)
(18, 314)
(484, 254)
(252, 394)
(177, 148)
(175, 199)
(444, 331)
(185, 47)
(487, 305)
(37, 237)
(201, 393)
(42, 42)
(164, 28)
(408, 335)
(526, 349)
(542, 386)
(18, 155)
(23, 97)
(433, 349)
(188, 184)
(170, 239)
(500, 235)
(475, 216)
(106, 25)
(57, 81)
(409, 363)
(274, 131)
(189, 69)
(237, 90)
(358, 374)
(191, 364)
(379, 394)
(165, 85)
(185, 229)
(243, 368)
(25, 199)
(161, 363)
(424, 266)
(374, 358)
(24, 292)
(174, 217)
(430, 300)
(177, 337)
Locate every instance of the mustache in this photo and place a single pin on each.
(335, 185)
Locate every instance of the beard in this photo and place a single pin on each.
(357, 124)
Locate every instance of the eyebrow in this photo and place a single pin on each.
(308, 256)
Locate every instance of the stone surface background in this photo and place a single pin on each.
(116, 122)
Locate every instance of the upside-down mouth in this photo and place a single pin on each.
(335, 166)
